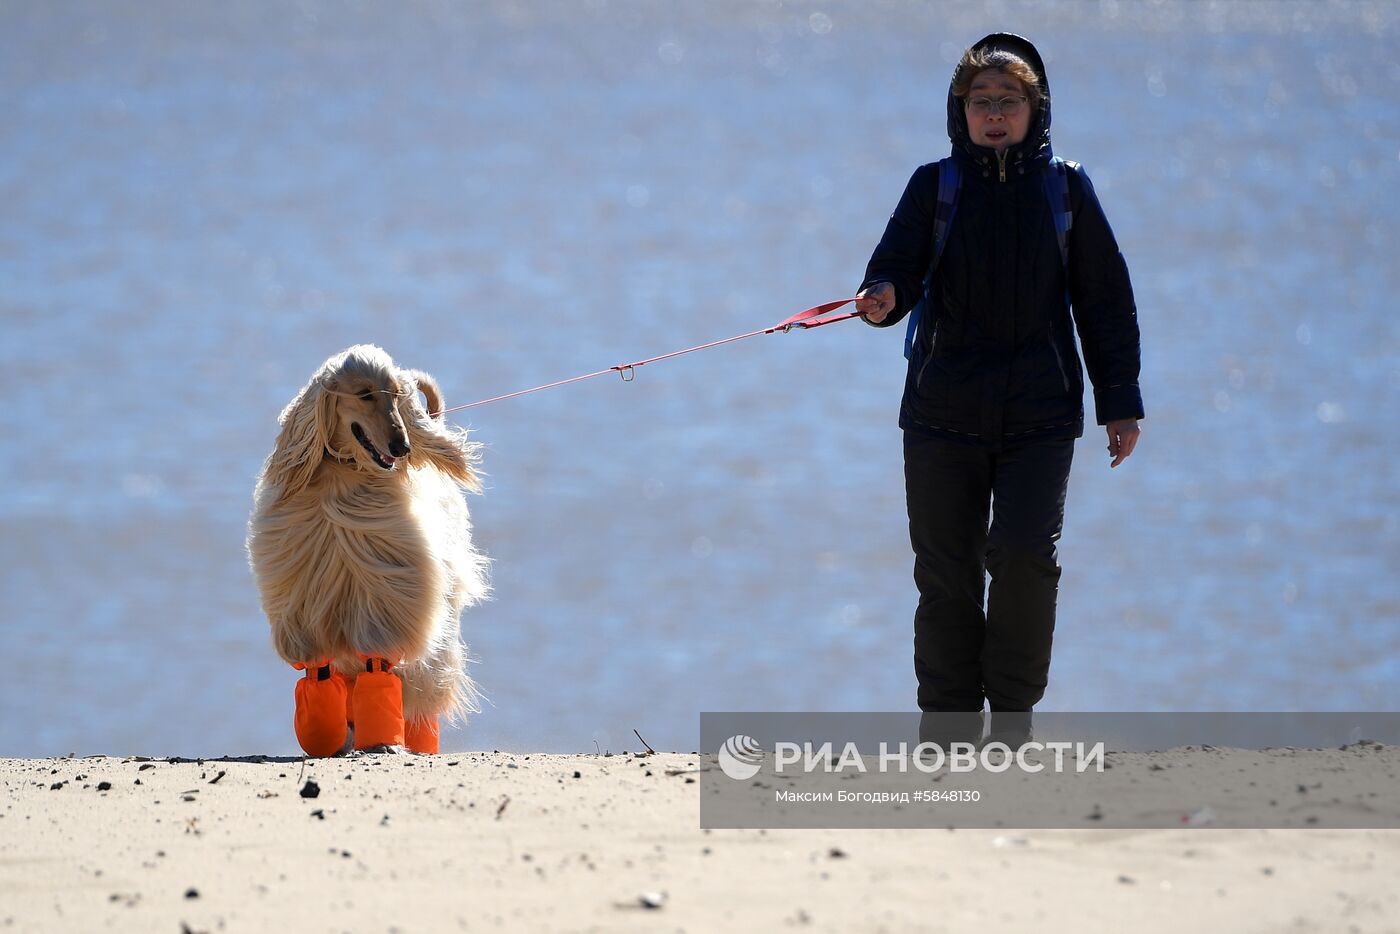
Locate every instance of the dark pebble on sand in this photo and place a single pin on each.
(148, 765)
(192, 893)
(310, 789)
(104, 786)
(578, 774)
(319, 814)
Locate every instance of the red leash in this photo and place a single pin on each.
(808, 318)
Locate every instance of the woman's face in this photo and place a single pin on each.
(996, 130)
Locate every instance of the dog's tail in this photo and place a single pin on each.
(438, 684)
(466, 693)
(430, 390)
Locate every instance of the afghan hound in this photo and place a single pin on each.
(361, 546)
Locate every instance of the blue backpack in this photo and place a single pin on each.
(1056, 180)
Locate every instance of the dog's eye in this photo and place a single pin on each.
(367, 395)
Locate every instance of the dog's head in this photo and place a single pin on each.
(364, 413)
(371, 408)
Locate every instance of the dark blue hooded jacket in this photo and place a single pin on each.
(995, 359)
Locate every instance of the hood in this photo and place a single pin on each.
(1035, 148)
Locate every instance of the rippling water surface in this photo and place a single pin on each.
(202, 203)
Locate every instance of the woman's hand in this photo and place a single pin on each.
(876, 302)
(1122, 438)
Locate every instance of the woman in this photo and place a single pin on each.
(993, 399)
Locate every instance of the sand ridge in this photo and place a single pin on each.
(501, 841)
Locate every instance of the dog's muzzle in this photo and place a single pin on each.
(383, 460)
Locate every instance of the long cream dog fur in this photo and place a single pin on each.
(360, 539)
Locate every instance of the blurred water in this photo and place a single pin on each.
(203, 202)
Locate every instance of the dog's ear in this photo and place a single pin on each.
(430, 390)
(301, 444)
(437, 442)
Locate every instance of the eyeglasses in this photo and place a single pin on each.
(1007, 106)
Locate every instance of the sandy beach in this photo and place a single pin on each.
(204, 201)
(486, 840)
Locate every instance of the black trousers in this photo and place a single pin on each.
(964, 654)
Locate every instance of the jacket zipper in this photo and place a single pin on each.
(1055, 346)
(1001, 164)
(933, 342)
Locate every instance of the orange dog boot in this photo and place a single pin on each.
(320, 715)
(421, 734)
(378, 706)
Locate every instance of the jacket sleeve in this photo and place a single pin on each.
(902, 258)
(1101, 296)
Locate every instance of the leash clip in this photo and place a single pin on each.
(627, 373)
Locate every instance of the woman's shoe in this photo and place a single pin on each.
(1012, 727)
(943, 728)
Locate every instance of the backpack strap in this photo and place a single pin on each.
(1057, 190)
(949, 184)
